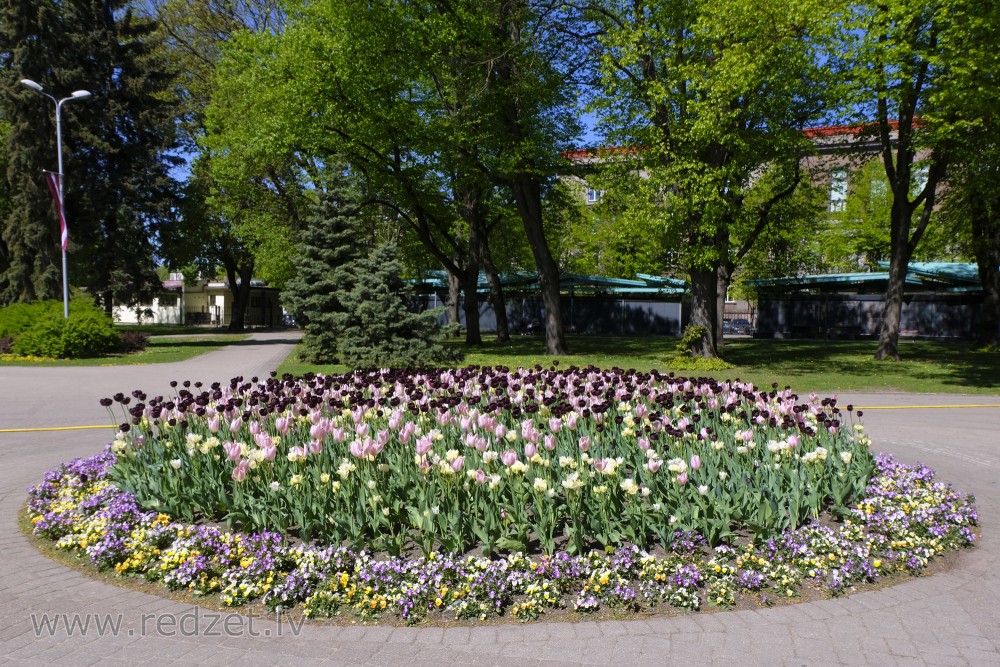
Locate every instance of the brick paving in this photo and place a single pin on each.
(950, 618)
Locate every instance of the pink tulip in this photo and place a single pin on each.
(213, 424)
(236, 425)
(509, 457)
(357, 448)
(555, 424)
(395, 419)
(480, 476)
(682, 478)
(500, 431)
(644, 444)
(458, 463)
(233, 450)
(654, 464)
(549, 442)
(424, 443)
(600, 465)
(254, 428)
(316, 446)
(358, 415)
(405, 433)
(695, 462)
(317, 431)
(793, 441)
(530, 450)
(641, 411)
(270, 451)
(584, 443)
(240, 471)
(262, 439)
(282, 424)
(362, 429)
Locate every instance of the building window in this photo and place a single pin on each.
(594, 196)
(838, 190)
(168, 300)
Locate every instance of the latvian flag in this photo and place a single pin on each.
(55, 186)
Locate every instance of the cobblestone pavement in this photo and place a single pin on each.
(950, 618)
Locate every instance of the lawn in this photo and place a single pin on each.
(160, 350)
(806, 365)
(171, 329)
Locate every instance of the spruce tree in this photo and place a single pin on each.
(376, 328)
(116, 146)
(328, 246)
(29, 234)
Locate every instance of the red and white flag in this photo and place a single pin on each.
(55, 186)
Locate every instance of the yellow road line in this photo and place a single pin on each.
(54, 428)
(925, 407)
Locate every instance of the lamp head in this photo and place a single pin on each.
(80, 94)
(28, 83)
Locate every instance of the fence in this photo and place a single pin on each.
(581, 314)
(929, 315)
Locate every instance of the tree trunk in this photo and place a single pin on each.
(454, 296)
(528, 197)
(899, 260)
(986, 241)
(470, 304)
(704, 288)
(239, 284)
(468, 196)
(496, 292)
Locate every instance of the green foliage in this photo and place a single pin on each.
(329, 244)
(376, 328)
(88, 332)
(116, 145)
(17, 318)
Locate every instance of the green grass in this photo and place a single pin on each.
(805, 365)
(159, 350)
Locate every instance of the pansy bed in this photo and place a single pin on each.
(485, 492)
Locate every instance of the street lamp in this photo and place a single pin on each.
(75, 95)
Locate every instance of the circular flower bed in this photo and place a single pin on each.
(478, 492)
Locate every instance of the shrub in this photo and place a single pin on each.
(19, 317)
(134, 341)
(88, 332)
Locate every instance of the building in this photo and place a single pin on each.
(203, 302)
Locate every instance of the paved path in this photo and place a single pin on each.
(951, 618)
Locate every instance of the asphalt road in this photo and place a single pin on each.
(950, 618)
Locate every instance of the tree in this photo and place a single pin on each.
(376, 329)
(240, 210)
(328, 245)
(972, 198)
(118, 144)
(436, 104)
(705, 97)
(908, 61)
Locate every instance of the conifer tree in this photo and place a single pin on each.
(376, 329)
(116, 146)
(328, 246)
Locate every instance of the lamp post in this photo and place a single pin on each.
(75, 95)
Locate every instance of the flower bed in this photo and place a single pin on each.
(583, 490)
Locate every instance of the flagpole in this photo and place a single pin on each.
(63, 230)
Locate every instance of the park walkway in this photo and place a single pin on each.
(950, 618)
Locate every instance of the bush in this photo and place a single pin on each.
(88, 332)
(134, 341)
(19, 317)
